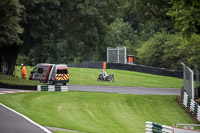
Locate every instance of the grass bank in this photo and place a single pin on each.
(86, 76)
(16, 79)
(97, 112)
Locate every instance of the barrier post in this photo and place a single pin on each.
(104, 65)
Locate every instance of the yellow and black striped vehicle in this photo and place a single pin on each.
(50, 73)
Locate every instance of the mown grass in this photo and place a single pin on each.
(85, 76)
(17, 72)
(16, 79)
(97, 112)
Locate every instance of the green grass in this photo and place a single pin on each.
(17, 81)
(64, 132)
(85, 76)
(97, 112)
(17, 73)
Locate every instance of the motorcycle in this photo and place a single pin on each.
(109, 78)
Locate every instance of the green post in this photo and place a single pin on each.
(195, 108)
(157, 128)
(188, 102)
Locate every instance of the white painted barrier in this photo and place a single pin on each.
(51, 88)
(192, 106)
(152, 127)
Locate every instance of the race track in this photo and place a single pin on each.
(11, 122)
(126, 90)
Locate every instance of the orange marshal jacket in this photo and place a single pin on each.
(23, 70)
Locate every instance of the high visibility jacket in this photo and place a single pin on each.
(23, 70)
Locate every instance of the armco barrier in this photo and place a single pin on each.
(146, 69)
(52, 88)
(190, 104)
(152, 127)
(130, 67)
(97, 65)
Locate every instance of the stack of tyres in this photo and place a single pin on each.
(57, 88)
(52, 88)
(42, 88)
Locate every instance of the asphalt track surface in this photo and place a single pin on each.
(126, 90)
(11, 122)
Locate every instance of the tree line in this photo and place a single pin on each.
(159, 33)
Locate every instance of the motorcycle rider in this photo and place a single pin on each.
(104, 74)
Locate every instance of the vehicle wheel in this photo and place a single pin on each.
(111, 79)
(51, 82)
(64, 83)
(98, 79)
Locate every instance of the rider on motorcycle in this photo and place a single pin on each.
(103, 74)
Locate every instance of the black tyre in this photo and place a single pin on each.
(51, 82)
(111, 79)
(64, 83)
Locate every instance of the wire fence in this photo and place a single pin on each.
(188, 84)
(116, 55)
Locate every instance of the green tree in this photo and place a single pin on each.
(72, 30)
(186, 15)
(120, 33)
(148, 17)
(10, 13)
(190, 49)
(162, 50)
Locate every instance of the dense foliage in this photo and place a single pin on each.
(159, 33)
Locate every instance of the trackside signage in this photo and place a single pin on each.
(180, 130)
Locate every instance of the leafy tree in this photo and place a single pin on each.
(10, 12)
(121, 34)
(148, 17)
(186, 15)
(190, 49)
(70, 30)
(162, 50)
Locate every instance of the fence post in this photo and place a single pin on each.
(188, 102)
(195, 108)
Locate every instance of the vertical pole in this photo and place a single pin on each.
(192, 84)
(118, 53)
(183, 74)
(181, 94)
(197, 80)
(107, 55)
(125, 61)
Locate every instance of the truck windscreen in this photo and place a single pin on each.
(62, 71)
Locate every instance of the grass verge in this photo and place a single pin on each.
(17, 81)
(97, 112)
(86, 76)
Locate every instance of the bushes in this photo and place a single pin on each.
(169, 50)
